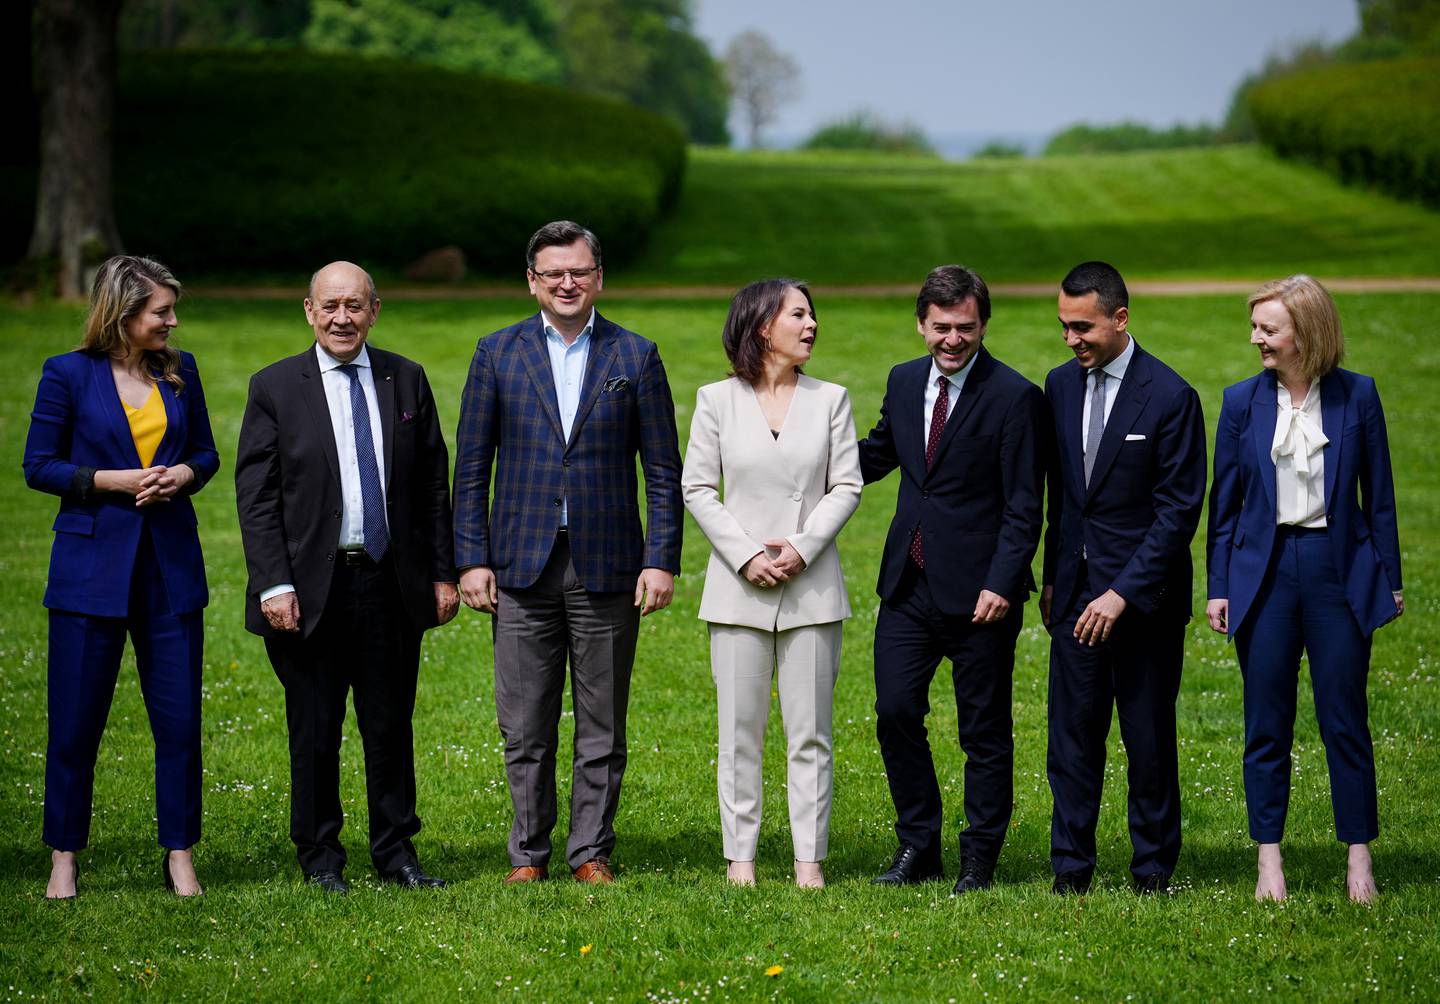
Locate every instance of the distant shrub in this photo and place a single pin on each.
(867, 131)
(1372, 123)
(1126, 136)
(287, 159)
(999, 149)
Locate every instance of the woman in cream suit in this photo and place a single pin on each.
(784, 446)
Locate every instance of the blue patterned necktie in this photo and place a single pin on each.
(377, 537)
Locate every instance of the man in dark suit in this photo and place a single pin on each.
(554, 411)
(967, 433)
(341, 481)
(1127, 482)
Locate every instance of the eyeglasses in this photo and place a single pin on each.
(556, 276)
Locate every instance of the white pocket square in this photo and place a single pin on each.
(1133, 437)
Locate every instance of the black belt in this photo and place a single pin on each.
(355, 559)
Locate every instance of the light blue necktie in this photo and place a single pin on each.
(377, 537)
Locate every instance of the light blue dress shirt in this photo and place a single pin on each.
(567, 365)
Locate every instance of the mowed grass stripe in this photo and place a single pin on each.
(671, 929)
(840, 219)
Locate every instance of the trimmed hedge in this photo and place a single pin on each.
(243, 160)
(1374, 123)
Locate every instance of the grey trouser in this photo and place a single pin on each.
(537, 630)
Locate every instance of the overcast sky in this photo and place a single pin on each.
(1021, 67)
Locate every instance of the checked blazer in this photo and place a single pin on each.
(510, 435)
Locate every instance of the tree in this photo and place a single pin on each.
(74, 211)
(646, 52)
(488, 37)
(762, 78)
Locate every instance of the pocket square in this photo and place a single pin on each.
(1133, 437)
(615, 384)
(406, 416)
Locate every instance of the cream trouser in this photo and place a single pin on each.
(806, 661)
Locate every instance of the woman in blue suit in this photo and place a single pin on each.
(1304, 555)
(121, 434)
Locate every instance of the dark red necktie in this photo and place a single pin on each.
(932, 443)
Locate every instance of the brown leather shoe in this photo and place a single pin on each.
(595, 871)
(527, 873)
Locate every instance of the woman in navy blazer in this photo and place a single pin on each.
(121, 434)
(1304, 554)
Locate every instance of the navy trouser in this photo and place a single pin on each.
(911, 637)
(1301, 606)
(1137, 672)
(84, 663)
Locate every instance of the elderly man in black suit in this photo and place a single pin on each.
(341, 479)
(967, 433)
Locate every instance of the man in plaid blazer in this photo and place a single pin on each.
(554, 410)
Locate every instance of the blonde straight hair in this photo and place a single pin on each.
(1318, 336)
(123, 285)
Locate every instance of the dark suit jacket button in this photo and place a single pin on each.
(555, 501)
(337, 512)
(566, 463)
(926, 495)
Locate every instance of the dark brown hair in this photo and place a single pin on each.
(950, 285)
(751, 311)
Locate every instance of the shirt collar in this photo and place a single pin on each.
(551, 331)
(957, 379)
(1115, 368)
(329, 362)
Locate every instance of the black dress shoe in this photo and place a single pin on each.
(910, 865)
(974, 874)
(1154, 884)
(1076, 883)
(330, 881)
(410, 876)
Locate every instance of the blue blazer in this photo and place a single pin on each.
(1359, 496)
(510, 432)
(1131, 529)
(79, 426)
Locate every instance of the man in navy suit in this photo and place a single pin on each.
(554, 411)
(1126, 485)
(967, 433)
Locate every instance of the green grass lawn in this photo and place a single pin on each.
(671, 929)
(837, 218)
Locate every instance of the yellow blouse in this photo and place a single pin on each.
(147, 425)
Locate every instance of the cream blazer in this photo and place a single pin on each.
(802, 486)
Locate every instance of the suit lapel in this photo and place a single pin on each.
(537, 364)
(383, 374)
(312, 390)
(910, 418)
(597, 371)
(1262, 430)
(1070, 415)
(107, 398)
(1332, 418)
(970, 393)
(165, 453)
(1130, 400)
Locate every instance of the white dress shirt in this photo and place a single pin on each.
(337, 396)
(567, 365)
(932, 391)
(1114, 372)
(1298, 451)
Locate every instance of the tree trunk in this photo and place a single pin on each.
(74, 207)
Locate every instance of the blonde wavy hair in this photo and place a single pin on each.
(123, 285)
(1319, 338)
